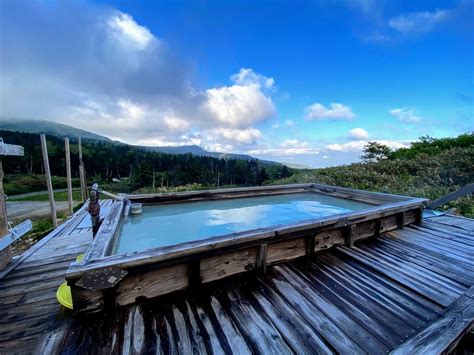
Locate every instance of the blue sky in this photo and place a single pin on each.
(296, 81)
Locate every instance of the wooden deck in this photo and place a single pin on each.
(410, 290)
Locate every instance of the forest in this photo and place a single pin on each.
(105, 161)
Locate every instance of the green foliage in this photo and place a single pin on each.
(433, 169)
(14, 184)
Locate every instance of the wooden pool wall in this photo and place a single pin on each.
(163, 270)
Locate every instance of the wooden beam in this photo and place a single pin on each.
(401, 220)
(310, 243)
(49, 184)
(464, 191)
(194, 270)
(68, 176)
(350, 231)
(261, 264)
(82, 174)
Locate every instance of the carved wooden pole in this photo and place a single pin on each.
(68, 175)
(49, 184)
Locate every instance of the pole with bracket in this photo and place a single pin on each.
(6, 150)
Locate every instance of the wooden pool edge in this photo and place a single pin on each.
(160, 271)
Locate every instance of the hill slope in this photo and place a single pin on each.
(48, 127)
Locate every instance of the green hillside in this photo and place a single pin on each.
(429, 168)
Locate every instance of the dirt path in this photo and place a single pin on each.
(33, 209)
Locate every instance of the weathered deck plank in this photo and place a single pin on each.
(401, 288)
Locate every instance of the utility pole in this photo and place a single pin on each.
(49, 184)
(5, 254)
(68, 175)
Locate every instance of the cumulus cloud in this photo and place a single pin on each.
(239, 105)
(240, 136)
(287, 148)
(336, 111)
(357, 146)
(99, 69)
(294, 143)
(405, 115)
(290, 123)
(358, 133)
(417, 22)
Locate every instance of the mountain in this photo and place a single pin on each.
(62, 130)
(48, 127)
(297, 166)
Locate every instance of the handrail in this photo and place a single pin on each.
(464, 191)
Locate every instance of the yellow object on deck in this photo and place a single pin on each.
(80, 257)
(63, 294)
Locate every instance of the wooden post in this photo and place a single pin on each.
(5, 255)
(153, 180)
(81, 173)
(52, 204)
(10, 150)
(68, 176)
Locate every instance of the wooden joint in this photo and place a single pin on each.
(378, 226)
(419, 215)
(310, 244)
(401, 220)
(349, 235)
(261, 264)
(194, 271)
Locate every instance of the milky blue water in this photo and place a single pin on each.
(163, 225)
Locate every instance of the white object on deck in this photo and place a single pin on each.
(136, 208)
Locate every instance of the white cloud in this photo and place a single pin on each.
(358, 133)
(290, 123)
(325, 157)
(417, 22)
(239, 105)
(336, 111)
(175, 124)
(246, 77)
(130, 33)
(276, 125)
(283, 151)
(239, 136)
(357, 146)
(294, 143)
(405, 115)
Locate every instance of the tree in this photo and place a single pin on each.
(374, 151)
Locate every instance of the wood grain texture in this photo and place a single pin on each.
(152, 284)
(221, 266)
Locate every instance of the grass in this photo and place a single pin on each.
(58, 196)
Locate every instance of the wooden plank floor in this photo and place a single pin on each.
(28, 306)
(389, 292)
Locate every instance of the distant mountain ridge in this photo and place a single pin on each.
(62, 130)
(48, 127)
